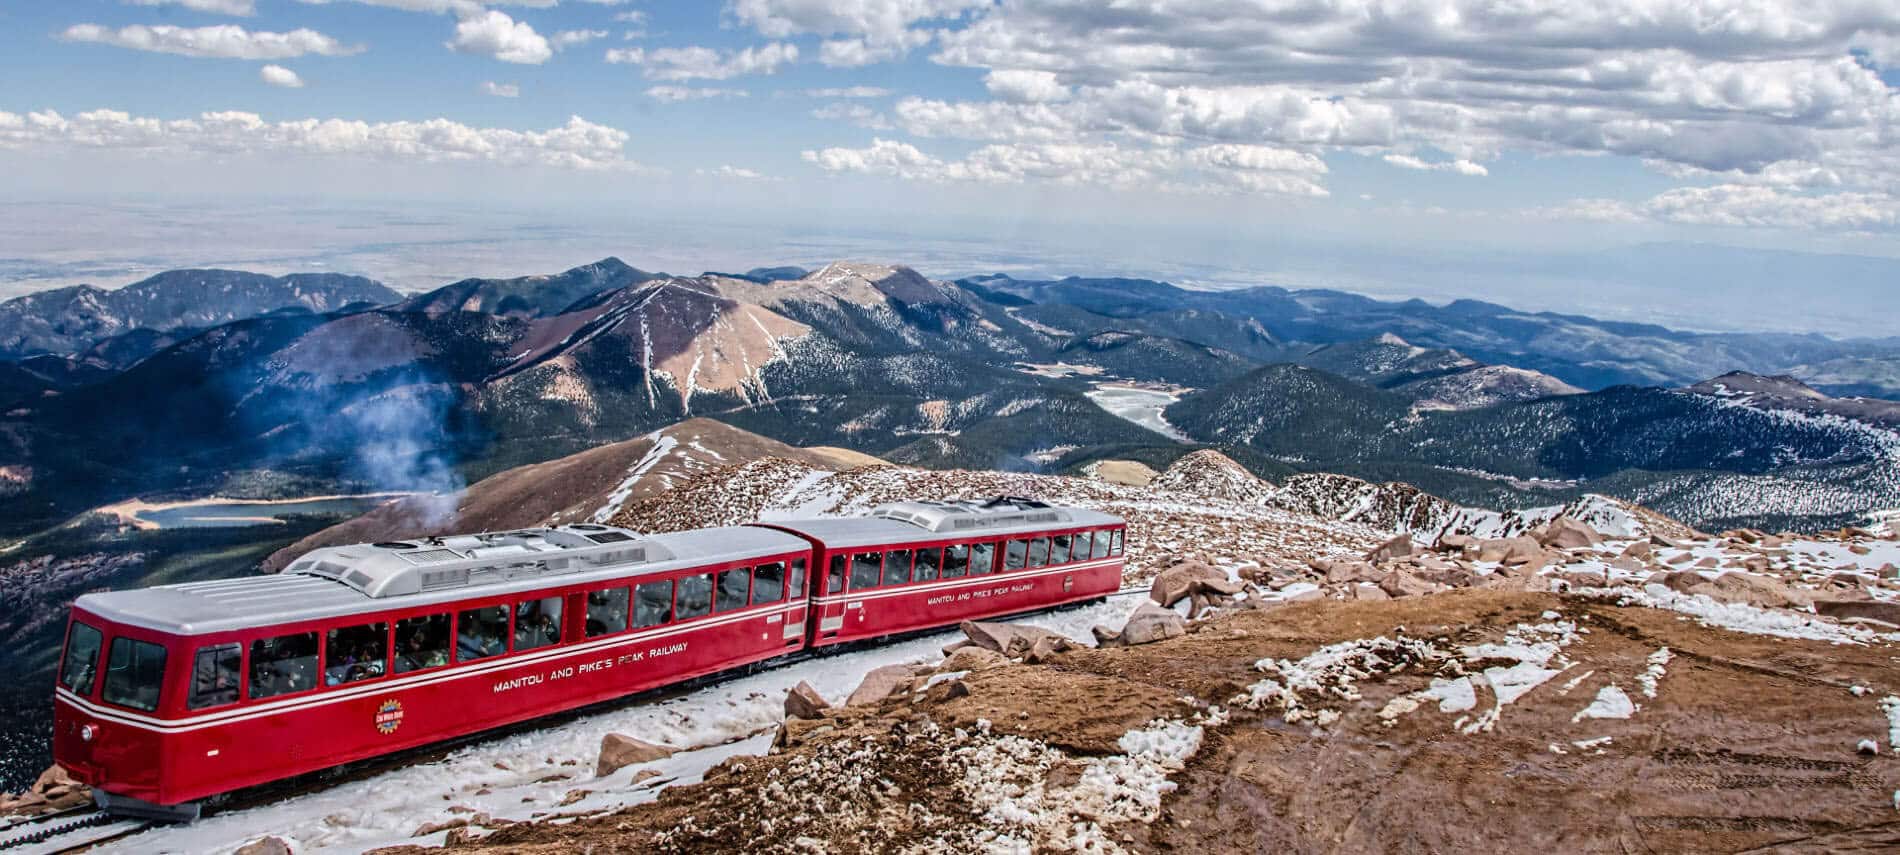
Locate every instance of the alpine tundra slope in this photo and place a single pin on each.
(1410, 661)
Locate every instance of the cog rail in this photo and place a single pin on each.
(68, 830)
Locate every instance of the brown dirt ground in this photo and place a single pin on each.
(1749, 745)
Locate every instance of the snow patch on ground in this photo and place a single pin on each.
(1653, 674)
(662, 446)
(1007, 779)
(1739, 617)
(1611, 702)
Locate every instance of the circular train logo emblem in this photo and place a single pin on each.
(389, 717)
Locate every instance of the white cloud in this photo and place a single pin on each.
(853, 53)
(224, 41)
(494, 34)
(459, 7)
(1460, 166)
(676, 94)
(1026, 86)
(241, 8)
(690, 63)
(500, 90)
(579, 144)
(277, 75)
(856, 114)
(849, 92)
(1738, 93)
(570, 38)
(736, 172)
(1742, 206)
(1221, 169)
(1745, 205)
(879, 21)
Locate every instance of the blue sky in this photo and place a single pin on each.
(1540, 126)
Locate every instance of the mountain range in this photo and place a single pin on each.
(335, 383)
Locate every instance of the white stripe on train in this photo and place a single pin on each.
(183, 725)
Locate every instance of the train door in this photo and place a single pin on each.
(797, 627)
(831, 596)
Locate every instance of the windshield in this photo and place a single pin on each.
(134, 674)
(82, 659)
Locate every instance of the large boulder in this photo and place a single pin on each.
(1151, 623)
(618, 751)
(803, 701)
(1860, 609)
(267, 846)
(1177, 583)
(1007, 638)
(1400, 546)
(1566, 533)
(1519, 551)
(881, 683)
(1738, 588)
(1402, 583)
(1515, 552)
(1455, 543)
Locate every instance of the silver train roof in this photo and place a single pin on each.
(343, 580)
(925, 521)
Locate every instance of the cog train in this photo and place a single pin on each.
(172, 695)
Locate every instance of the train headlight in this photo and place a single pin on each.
(87, 732)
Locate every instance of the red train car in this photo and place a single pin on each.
(172, 694)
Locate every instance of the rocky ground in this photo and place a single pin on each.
(1464, 721)
(1586, 678)
(1329, 666)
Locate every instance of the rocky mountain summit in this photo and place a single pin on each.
(1592, 676)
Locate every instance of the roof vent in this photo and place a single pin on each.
(1000, 512)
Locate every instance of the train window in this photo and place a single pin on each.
(282, 665)
(1015, 555)
(1116, 548)
(695, 596)
(928, 560)
(734, 584)
(422, 642)
(606, 611)
(538, 623)
(82, 659)
(1100, 549)
(1059, 549)
(355, 653)
(1081, 550)
(836, 581)
(134, 673)
(1039, 552)
(956, 561)
(797, 583)
(215, 674)
(864, 570)
(982, 558)
(481, 633)
(897, 567)
(768, 583)
(652, 603)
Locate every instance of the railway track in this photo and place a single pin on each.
(70, 830)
